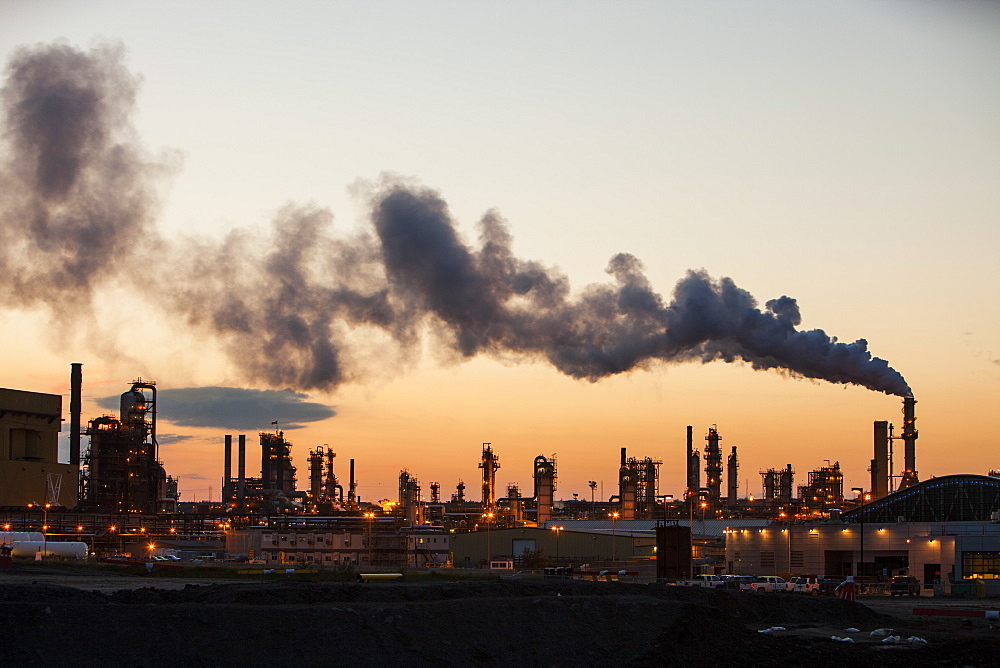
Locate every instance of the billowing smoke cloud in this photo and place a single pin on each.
(76, 202)
(295, 313)
(284, 314)
(491, 302)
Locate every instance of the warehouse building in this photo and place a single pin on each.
(942, 531)
(30, 472)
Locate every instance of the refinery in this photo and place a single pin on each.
(114, 499)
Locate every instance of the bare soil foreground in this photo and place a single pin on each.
(55, 618)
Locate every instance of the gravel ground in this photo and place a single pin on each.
(101, 619)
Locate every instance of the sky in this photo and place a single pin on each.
(315, 212)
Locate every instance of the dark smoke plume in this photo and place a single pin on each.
(76, 197)
(491, 302)
(297, 309)
(284, 306)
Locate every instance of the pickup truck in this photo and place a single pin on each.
(767, 583)
(711, 581)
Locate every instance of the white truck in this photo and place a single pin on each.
(767, 583)
(705, 580)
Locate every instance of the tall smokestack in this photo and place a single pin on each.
(241, 470)
(350, 488)
(880, 464)
(227, 467)
(693, 465)
(732, 481)
(909, 476)
(75, 401)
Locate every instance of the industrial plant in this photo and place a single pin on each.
(115, 498)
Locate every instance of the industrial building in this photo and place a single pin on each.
(122, 471)
(534, 547)
(30, 470)
(345, 541)
(943, 530)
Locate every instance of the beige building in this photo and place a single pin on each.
(945, 531)
(350, 546)
(937, 554)
(30, 471)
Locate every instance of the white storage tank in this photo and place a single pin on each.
(28, 548)
(11, 536)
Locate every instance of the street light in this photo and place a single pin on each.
(860, 499)
(614, 518)
(371, 519)
(667, 499)
(45, 528)
(45, 524)
(489, 546)
(557, 530)
(788, 530)
(691, 537)
(593, 488)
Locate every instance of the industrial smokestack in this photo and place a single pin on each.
(241, 471)
(227, 467)
(909, 436)
(693, 465)
(75, 408)
(732, 481)
(351, 496)
(880, 463)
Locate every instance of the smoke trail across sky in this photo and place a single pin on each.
(79, 193)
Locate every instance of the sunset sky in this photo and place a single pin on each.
(844, 154)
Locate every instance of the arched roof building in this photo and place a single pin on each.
(950, 498)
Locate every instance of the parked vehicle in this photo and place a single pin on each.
(829, 585)
(705, 580)
(737, 581)
(767, 583)
(805, 585)
(904, 585)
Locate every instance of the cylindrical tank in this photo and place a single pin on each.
(28, 548)
(133, 406)
(11, 536)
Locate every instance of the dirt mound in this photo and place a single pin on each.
(507, 622)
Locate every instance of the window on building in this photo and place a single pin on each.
(981, 565)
